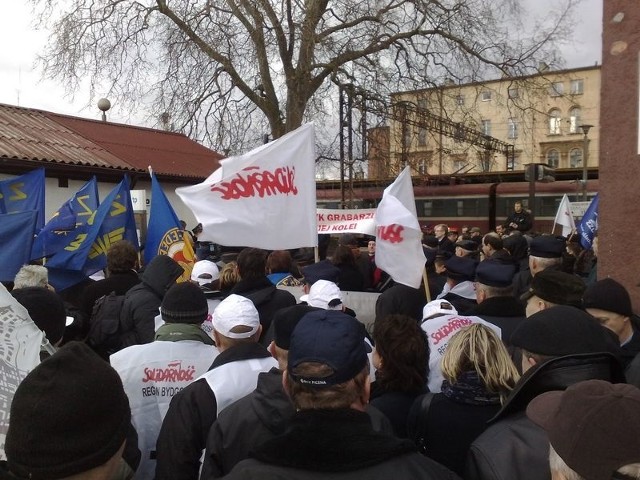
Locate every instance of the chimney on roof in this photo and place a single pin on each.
(104, 104)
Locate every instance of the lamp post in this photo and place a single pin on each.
(585, 127)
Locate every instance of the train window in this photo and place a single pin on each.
(547, 206)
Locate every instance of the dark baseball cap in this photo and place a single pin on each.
(593, 425)
(461, 268)
(547, 246)
(556, 287)
(563, 330)
(332, 338)
(495, 274)
(468, 245)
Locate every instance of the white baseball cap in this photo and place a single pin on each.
(438, 307)
(235, 311)
(326, 295)
(204, 272)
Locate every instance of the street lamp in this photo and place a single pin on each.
(585, 127)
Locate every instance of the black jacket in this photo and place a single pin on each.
(142, 302)
(338, 444)
(513, 446)
(394, 405)
(183, 435)
(266, 297)
(504, 312)
(260, 416)
(522, 219)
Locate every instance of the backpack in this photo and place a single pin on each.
(104, 325)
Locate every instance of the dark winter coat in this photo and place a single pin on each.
(120, 283)
(394, 405)
(254, 419)
(522, 219)
(338, 444)
(450, 428)
(191, 414)
(504, 312)
(513, 446)
(142, 302)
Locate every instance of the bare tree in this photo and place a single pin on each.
(227, 71)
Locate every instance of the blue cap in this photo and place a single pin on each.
(495, 274)
(547, 246)
(324, 270)
(331, 338)
(461, 268)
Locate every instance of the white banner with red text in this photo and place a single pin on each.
(264, 198)
(346, 221)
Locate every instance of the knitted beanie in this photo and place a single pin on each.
(184, 303)
(45, 308)
(608, 295)
(69, 415)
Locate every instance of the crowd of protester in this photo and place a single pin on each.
(512, 362)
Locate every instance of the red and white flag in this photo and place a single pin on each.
(265, 198)
(564, 217)
(398, 235)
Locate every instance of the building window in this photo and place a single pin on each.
(554, 122)
(575, 120)
(422, 167)
(486, 127)
(553, 158)
(577, 87)
(422, 104)
(513, 162)
(460, 100)
(422, 137)
(556, 89)
(575, 158)
(485, 95)
(513, 128)
(514, 92)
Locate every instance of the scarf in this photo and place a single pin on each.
(469, 390)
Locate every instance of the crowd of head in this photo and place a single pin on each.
(512, 361)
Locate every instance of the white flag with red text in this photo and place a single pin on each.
(564, 217)
(398, 235)
(265, 198)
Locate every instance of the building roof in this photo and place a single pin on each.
(39, 138)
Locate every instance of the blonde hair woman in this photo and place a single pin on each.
(478, 376)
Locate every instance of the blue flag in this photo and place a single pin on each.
(23, 193)
(85, 252)
(164, 233)
(74, 213)
(589, 224)
(164, 227)
(16, 237)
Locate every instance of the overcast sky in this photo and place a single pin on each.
(21, 85)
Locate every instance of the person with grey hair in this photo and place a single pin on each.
(31, 276)
(593, 429)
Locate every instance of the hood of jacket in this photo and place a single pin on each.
(270, 402)
(558, 374)
(160, 274)
(258, 290)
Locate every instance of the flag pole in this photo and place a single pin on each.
(426, 284)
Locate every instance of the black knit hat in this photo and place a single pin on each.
(285, 320)
(45, 308)
(608, 295)
(69, 415)
(184, 303)
(563, 330)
